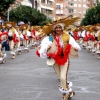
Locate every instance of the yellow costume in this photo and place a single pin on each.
(63, 42)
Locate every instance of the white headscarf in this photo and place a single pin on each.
(61, 24)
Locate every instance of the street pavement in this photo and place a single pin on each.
(27, 77)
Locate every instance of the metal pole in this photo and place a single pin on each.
(8, 15)
(32, 3)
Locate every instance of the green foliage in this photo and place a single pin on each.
(92, 16)
(21, 13)
(28, 14)
(4, 5)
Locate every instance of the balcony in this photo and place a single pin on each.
(48, 13)
(49, 4)
(71, 6)
(70, 2)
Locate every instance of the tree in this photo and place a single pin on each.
(4, 5)
(28, 14)
(97, 2)
(92, 16)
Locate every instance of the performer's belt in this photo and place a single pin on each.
(10, 38)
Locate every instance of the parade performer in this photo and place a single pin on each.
(76, 35)
(38, 38)
(12, 37)
(82, 36)
(19, 37)
(85, 37)
(91, 41)
(3, 37)
(33, 36)
(56, 48)
(70, 30)
(94, 40)
(98, 42)
(26, 33)
(2, 60)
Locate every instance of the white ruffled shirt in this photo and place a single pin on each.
(45, 44)
(11, 34)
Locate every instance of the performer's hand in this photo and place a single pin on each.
(39, 47)
(49, 47)
(76, 49)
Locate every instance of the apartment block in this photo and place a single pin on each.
(66, 8)
(60, 8)
(44, 6)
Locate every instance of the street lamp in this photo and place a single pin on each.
(8, 15)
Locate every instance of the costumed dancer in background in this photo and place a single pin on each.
(18, 43)
(91, 39)
(12, 37)
(33, 36)
(98, 42)
(38, 38)
(82, 36)
(76, 35)
(70, 30)
(63, 43)
(94, 44)
(85, 38)
(3, 38)
(80, 39)
(26, 33)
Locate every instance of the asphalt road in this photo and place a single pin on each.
(27, 77)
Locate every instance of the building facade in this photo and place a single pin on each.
(26, 2)
(65, 8)
(44, 6)
(91, 3)
(59, 8)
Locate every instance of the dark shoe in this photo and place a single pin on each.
(70, 95)
(64, 97)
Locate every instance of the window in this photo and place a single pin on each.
(57, 6)
(43, 1)
(79, 5)
(75, 5)
(49, 3)
(84, 5)
(43, 10)
(61, 5)
(75, 11)
(59, 11)
(70, 10)
(79, 12)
